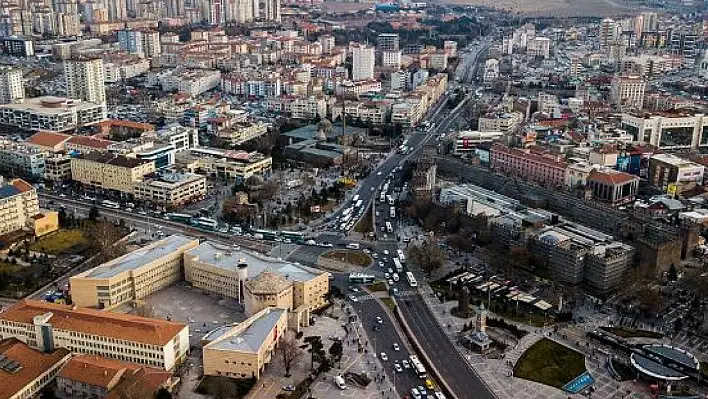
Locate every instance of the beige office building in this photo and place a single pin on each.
(244, 350)
(18, 205)
(171, 190)
(145, 341)
(132, 276)
(255, 280)
(110, 171)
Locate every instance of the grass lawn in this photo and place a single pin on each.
(348, 256)
(377, 286)
(629, 333)
(704, 369)
(550, 363)
(390, 303)
(366, 223)
(224, 387)
(59, 241)
(7, 268)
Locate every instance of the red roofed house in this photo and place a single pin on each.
(86, 144)
(614, 187)
(91, 376)
(49, 141)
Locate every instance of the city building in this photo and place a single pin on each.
(152, 47)
(131, 41)
(132, 276)
(506, 122)
(388, 42)
(674, 175)
(21, 160)
(668, 130)
(57, 168)
(53, 114)
(171, 189)
(92, 376)
(627, 92)
(24, 371)
(120, 66)
(538, 47)
(19, 204)
(242, 351)
(466, 142)
(612, 186)
(225, 164)
(192, 82)
(87, 144)
(528, 165)
(105, 171)
(12, 89)
(17, 46)
(181, 137)
(391, 59)
(242, 275)
(85, 79)
(363, 58)
(46, 326)
(48, 141)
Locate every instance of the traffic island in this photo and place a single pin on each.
(346, 258)
(550, 363)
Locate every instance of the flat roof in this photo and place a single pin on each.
(252, 338)
(51, 105)
(228, 258)
(139, 257)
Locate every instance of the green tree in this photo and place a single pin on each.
(672, 274)
(163, 393)
(93, 214)
(336, 350)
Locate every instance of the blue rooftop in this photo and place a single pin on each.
(8, 191)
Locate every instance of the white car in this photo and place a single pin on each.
(395, 277)
(384, 357)
(379, 320)
(390, 282)
(396, 347)
(353, 298)
(385, 251)
(381, 264)
(378, 173)
(387, 276)
(397, 367)
(406, 364)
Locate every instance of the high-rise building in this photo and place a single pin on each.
(151, 43)
(131, 41)
(11, 86)
(327, 42)
(117, 10)
(388, 42)
(391, 59)
(215, 16)
(85, 79)
(608, 27)
(362, 62)
(685, 44)
(269, 10)
(627, 92)
(174, 8)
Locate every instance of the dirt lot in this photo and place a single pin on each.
(559, 8)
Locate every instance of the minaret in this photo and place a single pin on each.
(242, 271)
(481, 322)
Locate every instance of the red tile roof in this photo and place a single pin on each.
(611, 177)
(22, 185)
(34, 363)
(89, 321)
(48, 139)
(88, 141)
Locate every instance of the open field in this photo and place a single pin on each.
(57, 242)
(554, 8)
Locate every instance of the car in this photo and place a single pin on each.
(385, 251)
(406, 364)
(353, 298)
(384, 356)
(353, 289)
(429, 384)
(374, 255)
(396, 347)
(422, 390)
(394, 291)
(385, 259)
(366, 251)
(378, 173)
(395, 277)
(397, 367)
(379, 320)
(289, 388)
(381, 264)
(415, 393)
(387, 276)
(390, 282)
(390, 271)
(377, 328)
(372, 189)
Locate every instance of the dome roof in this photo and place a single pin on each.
(267, 283)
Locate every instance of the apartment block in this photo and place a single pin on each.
(21, 160)
(107, 171)
(145, 341)
(85, 79)
(18, 205)
(506, 122)
(53, 114)
(12, 89)
(132, 276)
(612, 186)
(673, 174)
(171, 189)
(225, 164)
(181, 137)
(528, 165)
(627, 92)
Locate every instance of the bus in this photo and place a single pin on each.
(347, 218)
(179, 217)
(355, 199)
(110, 204)
(267, 234)
(392, 212)
(418, 367)
(401, 256)
(389, 227)
(347, 211)
(294, 236)
(397, 263)
(411, 280)
(361, 278)
(206, 223)
(359, 203)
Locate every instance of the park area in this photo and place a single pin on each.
(550, 363)
(60, 242)
(357, 258)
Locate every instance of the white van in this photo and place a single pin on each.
(353, 245)
(339, 381)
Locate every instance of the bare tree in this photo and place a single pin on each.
(428, 256)
(106, 237)
(144, 310)
(289, 350)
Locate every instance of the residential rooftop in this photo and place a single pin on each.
(28, 364)
(51, 105)
(253, 337)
